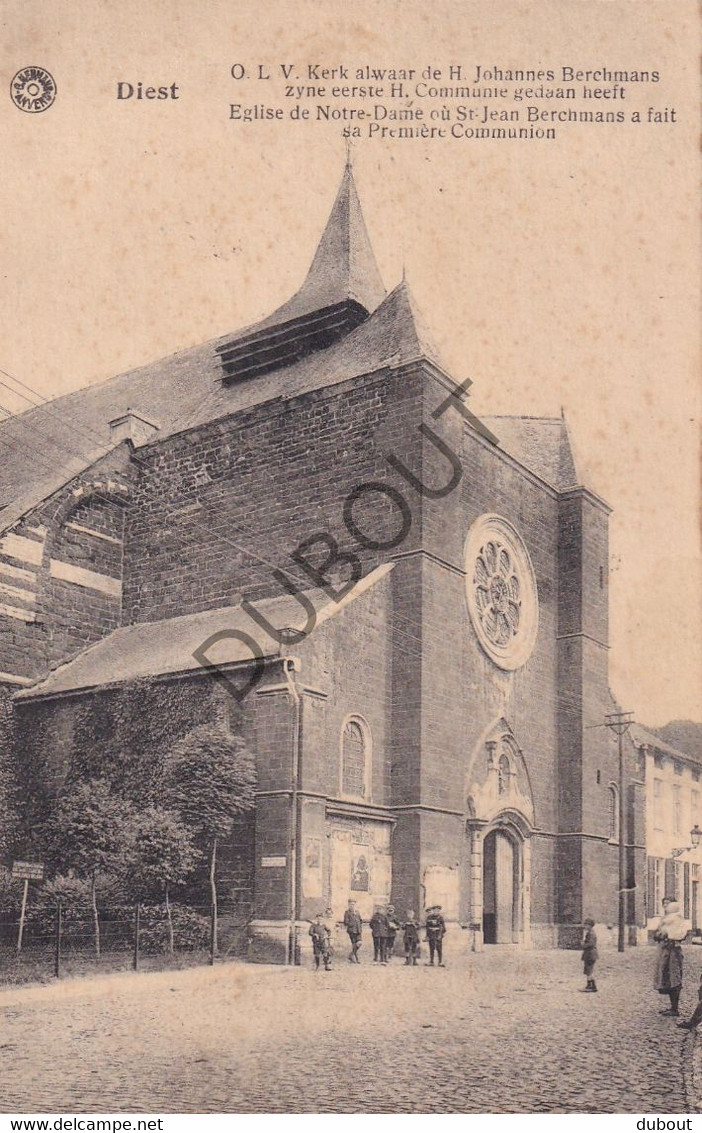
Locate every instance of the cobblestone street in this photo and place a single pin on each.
(501, 1031)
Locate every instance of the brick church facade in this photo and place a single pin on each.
(301, 529)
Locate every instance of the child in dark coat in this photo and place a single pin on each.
(321, 942)
(410, 938)
(590, 954)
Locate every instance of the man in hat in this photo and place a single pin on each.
(435, 926)
(354, 926)
(590, 955)
(321, 942)
(379, 931)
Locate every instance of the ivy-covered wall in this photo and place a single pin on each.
(8, 784)
(123, 734)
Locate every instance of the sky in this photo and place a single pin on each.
(556, 275)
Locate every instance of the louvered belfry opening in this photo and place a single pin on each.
(342, 288)
(266, 350)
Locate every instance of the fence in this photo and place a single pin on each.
(64, 939)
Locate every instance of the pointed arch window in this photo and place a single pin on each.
(613, 799)
(355, 758)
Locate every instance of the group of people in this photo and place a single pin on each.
(384, 926)
(669, 935)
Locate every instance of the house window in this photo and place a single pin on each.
(686, 890)
(677, 810)
(658, 804)
(695, 803)
(696, 774)
(658, 886)
(678, 882)
(354, 759)
(613, 813)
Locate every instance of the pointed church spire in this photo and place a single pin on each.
(344, 266)
(342, 287)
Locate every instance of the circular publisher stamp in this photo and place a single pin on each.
(33, 90)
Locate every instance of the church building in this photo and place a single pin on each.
(302, 530)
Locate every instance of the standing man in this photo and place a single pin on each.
(393, 929)
(379, 931)
(436, 930)
(354, 926)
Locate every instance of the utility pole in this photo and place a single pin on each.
(619, 722)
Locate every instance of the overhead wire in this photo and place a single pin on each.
(50, 456)
(209, 529)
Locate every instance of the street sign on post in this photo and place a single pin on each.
(26, 872)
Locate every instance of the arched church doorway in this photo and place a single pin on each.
(501, 889)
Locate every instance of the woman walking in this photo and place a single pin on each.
(670, 933)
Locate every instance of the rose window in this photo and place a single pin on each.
(497, 592)
(501, 591)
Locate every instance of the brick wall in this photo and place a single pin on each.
(257, 485)
(214, 511)
(63, 564)
(462, 692)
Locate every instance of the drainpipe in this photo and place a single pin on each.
(291, 665)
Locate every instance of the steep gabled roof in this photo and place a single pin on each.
(338, 326)
(392, 336)
(170, 647)
(641, 735)
(45, 447)
(541, 444)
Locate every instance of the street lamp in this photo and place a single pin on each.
(695, 836)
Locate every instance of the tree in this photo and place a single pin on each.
(90, 829)
(209, 779)
(161, 854)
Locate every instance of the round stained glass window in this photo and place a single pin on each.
(501, 591)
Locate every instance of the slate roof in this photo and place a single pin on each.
(541, 444)
(45, 447)
(344, 266)
(150, 649)
(642, 736)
